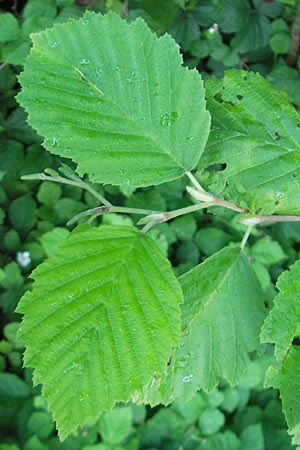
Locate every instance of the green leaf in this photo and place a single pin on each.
(267, 252)
(52, 239)
(256, 140)
(280, 43)
(40, 9)
(281, 327)
(209, 12)
(49, 193)
(210, 240)
(162, 12)
(222, 317)
(17, 128)
(185, 29)
(22, 214)
(9, 27)
(269, 9)
(41, 424)
(13, 390)
(252, 25)
(255, 35)
(34, 24)
(235, 16)
(34, 443)
(106, 308)
(210, 421)
(192, 409)
(15, 52)
(283, 77)
(13, 277)
(112, 97)
(222, 441)
(115, 425)
(231, 400)
(252, 437)
(66, 208)
(282, 324)
(184, 227)
(70, 11)
(287, 380)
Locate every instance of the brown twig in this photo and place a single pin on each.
(295, 39)
(125, 8)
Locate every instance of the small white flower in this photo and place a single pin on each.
(213, 28)
(23, 259)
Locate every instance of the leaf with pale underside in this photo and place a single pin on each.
(222, 315)
(102, 318)
(253, 151)
(116, 100)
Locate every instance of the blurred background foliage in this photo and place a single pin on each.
(213, 35)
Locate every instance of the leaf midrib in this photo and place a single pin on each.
(134, 120)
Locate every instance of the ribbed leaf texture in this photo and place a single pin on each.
(282, 327)
(103, 317)
(223, 312)
(254, 147)
(287, 380)
(115, 99)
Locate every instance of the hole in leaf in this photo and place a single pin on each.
(277, 136)
(276, 203)
(295, 175)
(218, 167)
(296, 341)
(239, 97)
(218, 97)
(245, 78)
(298, 125)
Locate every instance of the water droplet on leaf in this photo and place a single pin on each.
(168, 119)
(187, 378)
(190, 138)
(54, 141)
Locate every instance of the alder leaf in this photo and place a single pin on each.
(287, 380)
(282, 324)
(103, 316)
(282, 327)
(115, 99)
(222, 315)
(253, 152)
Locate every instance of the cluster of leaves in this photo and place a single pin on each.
(33, 215)
(215, 36)
(228, 418)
